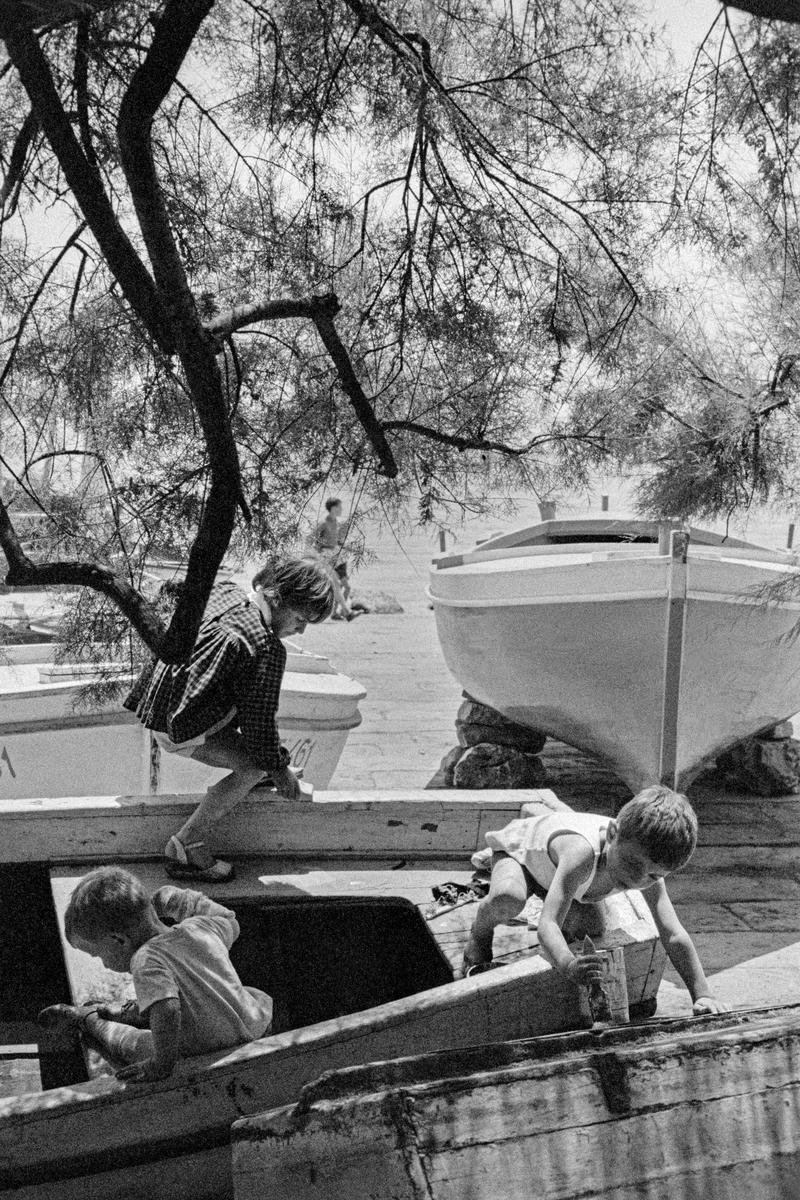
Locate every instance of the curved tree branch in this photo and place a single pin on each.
(771, 10)
(266, 310)
(172, 40)
(321, 310)
(323, 319)
(23, 572)
(479, 443)
(19, 151)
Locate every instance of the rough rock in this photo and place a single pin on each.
(764, 766)
(444, 776)
(778, 733)
(476, 723)
(516, 737)
(370, 601)
(488, 765)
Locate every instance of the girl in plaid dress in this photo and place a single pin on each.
(219, 707)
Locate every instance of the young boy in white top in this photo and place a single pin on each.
(189, 998)
(565, 856)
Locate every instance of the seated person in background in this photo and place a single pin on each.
(565, 856)
(189, 999)
(326, 544)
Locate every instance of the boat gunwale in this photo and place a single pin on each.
(601, 552)
(530, 1057)
(736, 599)
(105, 1091)
(626, 529)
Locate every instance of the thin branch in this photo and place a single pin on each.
(19, 152)
(479, 443)
(327, 331)
(23, 572)
(123, 261)
(70, 242)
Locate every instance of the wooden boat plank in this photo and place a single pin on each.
(144, 1181)
(103, 1120)
(627, 917)
(568, 1121)
(49, 1142)
(101, 828)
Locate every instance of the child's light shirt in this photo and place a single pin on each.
(528, 839)
(190, 962)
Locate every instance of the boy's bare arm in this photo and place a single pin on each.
(165, 1026)
(681, 950)
(176, 904)
(575, 861)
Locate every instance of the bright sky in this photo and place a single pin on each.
(686, 23)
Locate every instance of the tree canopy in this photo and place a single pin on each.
(421, 248)
(303, 241)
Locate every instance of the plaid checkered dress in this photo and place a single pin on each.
(236, 667)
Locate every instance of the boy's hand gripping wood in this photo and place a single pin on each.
(604, 1000)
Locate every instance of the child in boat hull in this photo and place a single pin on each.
(565, 856)
(189, 998)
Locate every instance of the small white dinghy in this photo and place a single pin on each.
(50, 746)
(650, 647)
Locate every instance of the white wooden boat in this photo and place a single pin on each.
(332, 928)
(651, 648)
(50, 746)
(705, 1107)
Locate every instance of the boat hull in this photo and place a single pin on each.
(709, 1107)
(50, 747)
(92, 1140)
(653, 667)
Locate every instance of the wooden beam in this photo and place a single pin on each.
(378, 823)
(673, 657)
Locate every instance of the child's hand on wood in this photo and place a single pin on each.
(709, 1004)
(287, 783)
(584, 969)
(146, 1071)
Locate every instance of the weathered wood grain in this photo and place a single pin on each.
(688, 1112)
(99, 828)
(49, 1143)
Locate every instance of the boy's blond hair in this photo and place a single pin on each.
(108, 900)
(663, 823)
